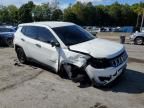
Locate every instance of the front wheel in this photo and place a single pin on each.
(139, 41)
(63, 73)
(73, 73)
(21, 55)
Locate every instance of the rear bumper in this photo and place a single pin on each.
(105, 76)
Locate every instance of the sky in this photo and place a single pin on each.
(65, 3)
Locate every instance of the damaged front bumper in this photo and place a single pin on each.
(103, 77)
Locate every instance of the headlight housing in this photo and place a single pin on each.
(105, 63)
(99, 63)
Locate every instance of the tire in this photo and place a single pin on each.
(9, 42)
(21, 55)
(76, 74)
(62, 73)
(139, 41)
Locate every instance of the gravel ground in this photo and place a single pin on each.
(28, 86)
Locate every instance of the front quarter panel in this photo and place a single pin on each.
(69, 57)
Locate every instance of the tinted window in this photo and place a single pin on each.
(71, 35)
(45, 35)
(6, 30)
(31, 31)
(39, 33)
(23, 30)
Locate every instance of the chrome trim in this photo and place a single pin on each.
(119, 60)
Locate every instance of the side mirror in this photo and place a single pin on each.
(56, 44)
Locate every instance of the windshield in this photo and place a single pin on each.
(6, 30)
(71, 35)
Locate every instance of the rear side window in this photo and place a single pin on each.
(39, 33)
(30, 31)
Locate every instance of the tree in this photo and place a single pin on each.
(13, 14)
(25, 14)
(138, 9)
(37, 12)
(70, 16)
(89, 14)
(57, 15)
(4, 15)
(115, 13)
(128, 16)
(81, 13)
(42, 12)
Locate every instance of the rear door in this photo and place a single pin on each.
(30, 39)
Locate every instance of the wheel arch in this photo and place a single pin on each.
(74, 66)
(69, 63)
(139, 37)
(17, 46)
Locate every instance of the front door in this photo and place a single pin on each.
(45, 52)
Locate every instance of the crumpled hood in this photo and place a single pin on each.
(99, 48)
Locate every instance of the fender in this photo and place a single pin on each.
(76, 60)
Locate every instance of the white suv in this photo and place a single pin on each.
(70, 51)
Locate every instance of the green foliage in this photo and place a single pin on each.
(57, 15)
(13, 14)
(41, 12)
(138, 8)
(25, 14)
(69, 16)
(112, 15)
(80, 13)
(4, 15)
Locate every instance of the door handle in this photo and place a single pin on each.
(38, 45)
(22, 39)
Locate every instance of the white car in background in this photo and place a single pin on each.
(71, 51)
(137, 38)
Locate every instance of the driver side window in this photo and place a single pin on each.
(45, 35)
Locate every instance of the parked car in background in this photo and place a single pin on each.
(116, 29)
(15, 28)
(6, 35)
(92, 29)
(71, 51)
(137, 38)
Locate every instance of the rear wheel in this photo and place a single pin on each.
(139, 41)
(21, 55)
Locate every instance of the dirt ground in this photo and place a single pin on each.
(28, 86)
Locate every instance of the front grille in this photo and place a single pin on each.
(105, 63)
(119, 59)
(99, 63)
(105, 78)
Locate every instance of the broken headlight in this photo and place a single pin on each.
(99, 63)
